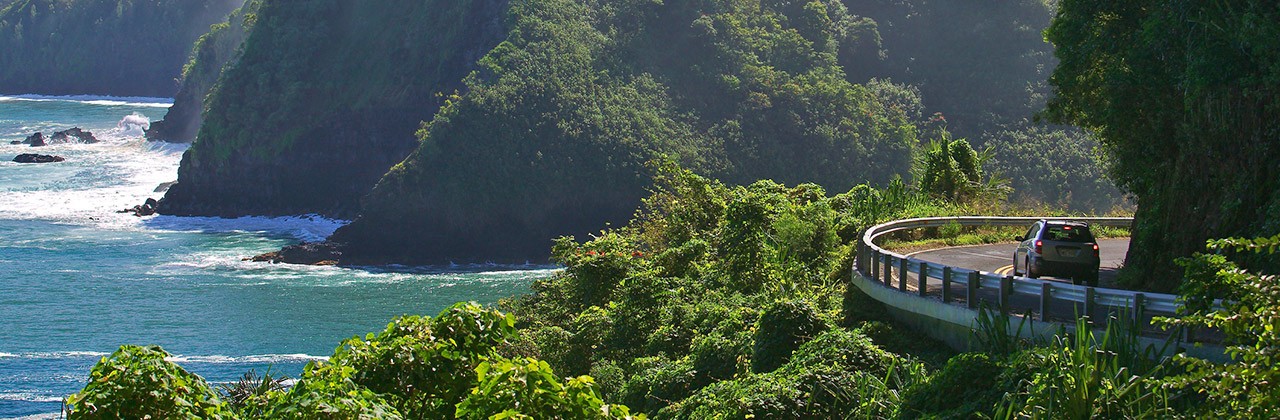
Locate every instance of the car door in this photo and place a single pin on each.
(1020, 253)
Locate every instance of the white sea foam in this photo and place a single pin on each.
(97, 180)
(44, 416)
(54, 355)
(310, 228)
(261, 358)
(28, 397)
(95, 100)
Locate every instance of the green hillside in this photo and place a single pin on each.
(212, 52)
(324, 99)
(101, 47)
(552, 134)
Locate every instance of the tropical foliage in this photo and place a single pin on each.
(417, 368)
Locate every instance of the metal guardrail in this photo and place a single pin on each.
(879, 264)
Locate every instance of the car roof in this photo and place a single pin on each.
(1064, 222)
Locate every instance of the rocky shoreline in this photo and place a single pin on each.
(71, 135)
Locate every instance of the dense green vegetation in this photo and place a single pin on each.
(722, 301)
(212, 52)
(981, 70)
(311, 115)
(420, 368)
(105, 47)
(552, 133)
(1183, 97)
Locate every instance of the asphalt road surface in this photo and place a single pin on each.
(998, 259)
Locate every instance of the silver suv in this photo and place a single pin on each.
(1058, 248)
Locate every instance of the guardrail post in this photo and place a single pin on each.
(861, 252)
(1139, 300)
(888, 270)
(1088, 303)
(1046, 293)
(922, 281)
(1006, 291)
(946, 284)
(973, 290)
(902, 274)
(874, 256)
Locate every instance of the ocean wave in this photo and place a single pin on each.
(44, 416)
(28, 397)
(261, 358)
(53, 355)
(309, 228)
(94, 100)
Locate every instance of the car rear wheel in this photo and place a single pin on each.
(1031, 271)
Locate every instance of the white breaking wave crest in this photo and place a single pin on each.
(309, 228)
(133, 125)
(177, 358)
(261, 358)
(28, 397)
(95, 100)
(54, 355)
(96, 181)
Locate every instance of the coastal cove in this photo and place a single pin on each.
(80, 279)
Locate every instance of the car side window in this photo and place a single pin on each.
(1032, 233)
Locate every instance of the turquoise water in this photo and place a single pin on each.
(77, 280)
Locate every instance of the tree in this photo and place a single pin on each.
(1183, 97)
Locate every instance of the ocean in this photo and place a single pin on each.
(78, 279)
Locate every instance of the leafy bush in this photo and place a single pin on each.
(327, 390)
(423, 366)
(137, 382)
(718, 358)
(784, 326)
(528, 389)
(1249, 386)
(657, 382)
(966, 386)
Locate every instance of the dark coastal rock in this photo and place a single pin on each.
(145, 209)
(164, 186)
(34, 158)
(35, 140)
(67, 136)
(307, 253)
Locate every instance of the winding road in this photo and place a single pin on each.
(998, 258)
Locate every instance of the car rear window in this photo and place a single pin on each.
(1068, 234)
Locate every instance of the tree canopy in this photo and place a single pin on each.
(1183, 97)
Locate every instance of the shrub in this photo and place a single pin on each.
(327, 391)
(657, 382)
(783, 327)
(1249, 316)
(848, 350)
(965, 386)
(718, 358)
(250, 395)
(137, 382)
(424, 366)
(528, 389)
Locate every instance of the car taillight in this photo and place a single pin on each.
(1095, 250)
(1039, 247)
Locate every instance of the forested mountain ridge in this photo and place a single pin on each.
(553, 133)
(100, 47)
(324, 99)
(212, 52)
(550, 135)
